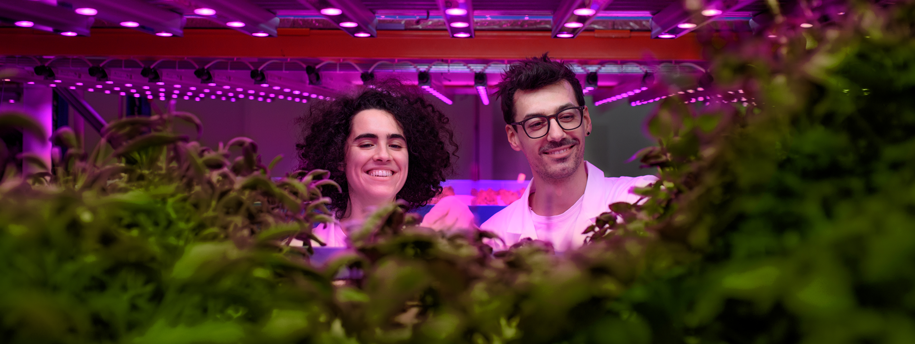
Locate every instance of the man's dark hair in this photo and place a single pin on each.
(430, 140)
(532, 74)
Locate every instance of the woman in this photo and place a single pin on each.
(382, 144)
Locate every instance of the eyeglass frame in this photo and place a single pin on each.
(581, 111)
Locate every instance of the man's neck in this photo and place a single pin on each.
(554, 196)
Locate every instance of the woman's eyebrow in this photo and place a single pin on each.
(365, 136)
(396, 136)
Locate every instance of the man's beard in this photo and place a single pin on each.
(544, 170)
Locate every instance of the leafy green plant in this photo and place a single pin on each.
(156, 239)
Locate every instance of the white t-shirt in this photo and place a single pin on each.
(558, 229)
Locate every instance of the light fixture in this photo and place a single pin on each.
(86, 11)
(462, 35)
(164, 34)
(584, 12)
(368, 78)
(258, 76)
(591, 81)
(686, 25)
(150, 73)
(711, 12)
(203, 11)
(806, 25)
(203, 74)
(260, 34)
(479, 82)
(423, 79)
(460, 24)
(330, 11)
(666, 35)
(130, 24)
(235, 24)
(47, 72)
(573, 25)
(362, 34)
(565, 35)
(24, 23)
(348, 24)
(437, 94)
(99, 73)
(68, 33)
(313, 77)
(455, 11)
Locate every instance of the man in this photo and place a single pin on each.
(547, 120)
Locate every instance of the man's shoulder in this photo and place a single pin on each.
(620, 189)
(633, 181)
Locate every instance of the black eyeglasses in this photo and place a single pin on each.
(538, 126)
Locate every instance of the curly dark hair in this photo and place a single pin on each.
(430, 140)
(532, 74)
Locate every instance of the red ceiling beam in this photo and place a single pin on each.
(304, 43)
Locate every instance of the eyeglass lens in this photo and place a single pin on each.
(539, 126)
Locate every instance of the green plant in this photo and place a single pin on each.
(157, 240)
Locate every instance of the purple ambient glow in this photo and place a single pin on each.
(68, 33)
(362, 34)
(24, 23)
(584, 12)
(330, 11)
(573, 25)
(666, 35)
(163, 34)
(130, 24)
(260, 34)
(806, 25)
(462, 35)
(348, 24)
(686, 25)
(235, 24)
(455, 11)
(203, 11)
(86, 11)
(564, 35)
(460, 24)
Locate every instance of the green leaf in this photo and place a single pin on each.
(148, 141)
(22, 121)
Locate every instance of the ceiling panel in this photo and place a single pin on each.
(515, 5)
(422, 5)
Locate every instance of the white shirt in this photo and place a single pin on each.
(557, 229)
(516, 221)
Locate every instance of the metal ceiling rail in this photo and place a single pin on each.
(332, 44)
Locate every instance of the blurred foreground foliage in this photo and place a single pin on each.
(785, 221)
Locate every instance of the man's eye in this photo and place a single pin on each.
(535, 124)
(566, 117)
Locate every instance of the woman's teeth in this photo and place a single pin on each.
(380, 173)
